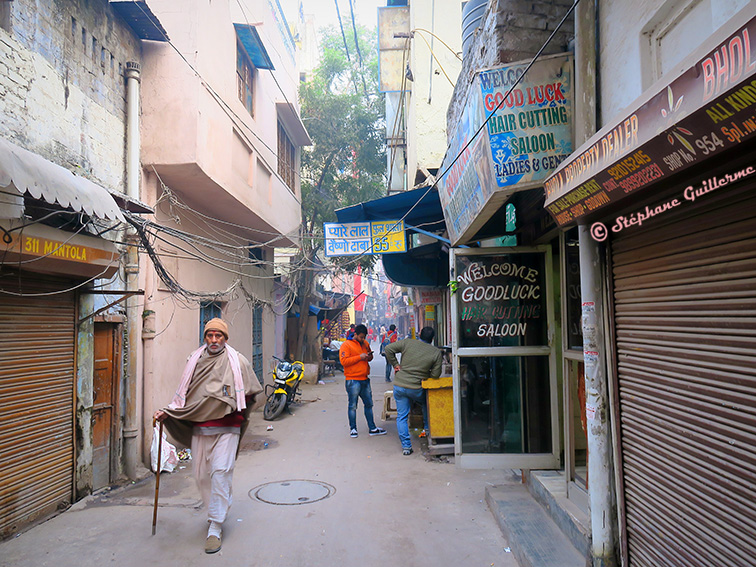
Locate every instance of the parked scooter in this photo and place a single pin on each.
(286, 378)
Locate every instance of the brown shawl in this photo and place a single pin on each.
(211, 395)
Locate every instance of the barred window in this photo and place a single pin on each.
(245, 74)
(286, 158)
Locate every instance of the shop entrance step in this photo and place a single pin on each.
(534, 538)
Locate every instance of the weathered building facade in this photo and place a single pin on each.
(221, 139)
(62, 151)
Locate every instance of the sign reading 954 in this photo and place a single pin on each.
(388, 237)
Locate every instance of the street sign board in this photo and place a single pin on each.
(352, 239)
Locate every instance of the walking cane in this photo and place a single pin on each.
(157, 474)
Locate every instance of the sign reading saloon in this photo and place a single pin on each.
(528, 135)
(501, 300)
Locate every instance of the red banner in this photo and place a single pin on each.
(359, 303)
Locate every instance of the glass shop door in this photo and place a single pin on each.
(505, 391)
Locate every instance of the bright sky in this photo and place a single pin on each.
(365, 11)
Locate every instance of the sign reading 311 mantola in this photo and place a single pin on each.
(352, 239)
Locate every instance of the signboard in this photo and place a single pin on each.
(428, 296)
(48, 249)
(528, 135)
(351, 239)
(501, 300)
(531, 132)
(706, 110)
(392, 50)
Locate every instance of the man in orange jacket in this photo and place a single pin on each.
(355, 354)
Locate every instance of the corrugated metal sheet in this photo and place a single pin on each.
(26, 171)
(685, 324)
(37, 346)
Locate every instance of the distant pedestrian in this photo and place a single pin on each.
(209, 413)
(420, 360)
(391, 336)
(350, 332)
(355, 354)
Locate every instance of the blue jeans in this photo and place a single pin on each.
(404, 398)
(388, 371)
(360, 389)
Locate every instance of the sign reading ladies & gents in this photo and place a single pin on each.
(501, 300)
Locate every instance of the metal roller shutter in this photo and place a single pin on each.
(37, 346)
(685, 330)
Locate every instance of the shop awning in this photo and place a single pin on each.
(23, 172)
(704, 110)
(426, 210)
(140, 18)
(252, 43)
(422, 266)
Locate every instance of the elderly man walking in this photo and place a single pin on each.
(420, 360)
(209, 412)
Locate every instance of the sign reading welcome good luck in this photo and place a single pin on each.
(501, 300)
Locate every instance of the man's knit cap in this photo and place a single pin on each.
(216, 325)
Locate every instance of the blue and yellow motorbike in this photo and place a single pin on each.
(286, 379)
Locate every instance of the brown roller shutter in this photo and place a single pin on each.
(37, 346)
(685, 330)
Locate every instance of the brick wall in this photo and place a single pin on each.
(511, 30)
(62, 90)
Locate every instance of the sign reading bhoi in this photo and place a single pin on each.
(351, 239)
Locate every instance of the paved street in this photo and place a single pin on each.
(385, 509)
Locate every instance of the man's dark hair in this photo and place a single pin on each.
(427, 334)
(392, 327)
(360, 330)
(351, 326)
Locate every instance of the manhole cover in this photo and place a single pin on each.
(292, 492)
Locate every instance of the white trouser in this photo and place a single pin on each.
(213, 458)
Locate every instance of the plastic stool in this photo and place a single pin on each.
(388, 401)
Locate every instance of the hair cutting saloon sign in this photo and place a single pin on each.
(501, 300)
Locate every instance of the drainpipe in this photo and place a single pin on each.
(131, 417)
(600, 471)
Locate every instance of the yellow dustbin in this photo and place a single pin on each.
(440, 406)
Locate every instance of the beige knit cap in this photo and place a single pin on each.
(216, 325)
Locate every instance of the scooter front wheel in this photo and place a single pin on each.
(274, 406)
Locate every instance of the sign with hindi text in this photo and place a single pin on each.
(352, 239)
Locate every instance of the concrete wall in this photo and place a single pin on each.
(172, 330)
(62, 92)
(642, 40)
(184, 122)
(511, 30)
(431, 90)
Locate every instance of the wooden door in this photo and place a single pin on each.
(105, 395)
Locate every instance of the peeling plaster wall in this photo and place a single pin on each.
(62, 96)
(84, 397)
(62, 91)
(511, 30)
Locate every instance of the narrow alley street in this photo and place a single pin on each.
(383, 508)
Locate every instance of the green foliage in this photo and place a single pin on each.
(344, 115)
